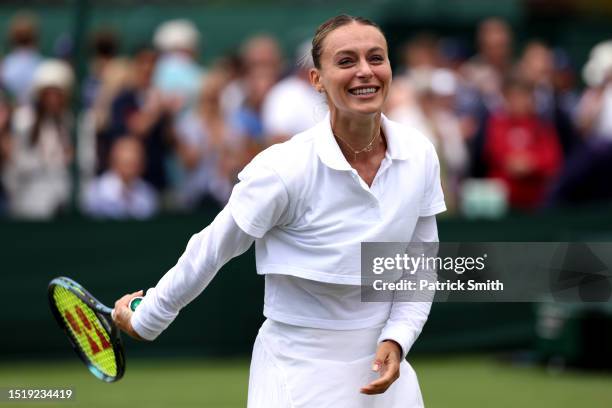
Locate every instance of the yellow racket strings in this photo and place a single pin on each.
(86, 328)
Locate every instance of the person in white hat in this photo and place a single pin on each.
(38, 177)
(177, 74)
(308, 204)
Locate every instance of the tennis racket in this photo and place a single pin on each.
(89, 327)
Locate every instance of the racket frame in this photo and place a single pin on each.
(104, 314)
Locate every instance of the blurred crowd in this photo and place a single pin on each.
(157, 131)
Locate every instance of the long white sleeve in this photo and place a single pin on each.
(406, 319)
(207, 251)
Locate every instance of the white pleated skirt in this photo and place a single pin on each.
(300, 367)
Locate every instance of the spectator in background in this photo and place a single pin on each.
(262, 52)
(121, 192)
(293, 105)
(6, 141)
(18, 67)
(453, 53)
(260, 55)
(424, 97)
(104, 46)
(94, 120)
(566, 102)
(37, 176)
(537, 66)
(595, 107)
(493, 62)
(586, 176)
(435, 116)
(565, 83)
(247, 118)
(420, 59)
(444, 130)
(204, 142)
(242, 100)
(421, 54)
(482, 94)
(140, 110)
(177, 74)
(522, 149)
(107, 76)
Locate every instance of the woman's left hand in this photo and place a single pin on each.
(387, 364)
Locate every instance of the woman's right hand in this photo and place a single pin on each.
(122, 314)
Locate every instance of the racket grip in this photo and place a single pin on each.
(135, 302)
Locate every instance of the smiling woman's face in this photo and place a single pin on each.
(355, 71)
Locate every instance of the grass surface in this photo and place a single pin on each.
(484, 382)
(449, 382)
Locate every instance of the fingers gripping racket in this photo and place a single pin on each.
(89, 327)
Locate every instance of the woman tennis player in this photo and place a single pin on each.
(307, 204)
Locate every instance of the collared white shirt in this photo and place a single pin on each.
(311, 211)
(281, 194)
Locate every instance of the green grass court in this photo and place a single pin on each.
(446, 382)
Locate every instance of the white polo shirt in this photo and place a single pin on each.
(308, 212)
(312, 211)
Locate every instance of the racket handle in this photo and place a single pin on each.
(135, 302)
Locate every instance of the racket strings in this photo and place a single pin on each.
(85, 326)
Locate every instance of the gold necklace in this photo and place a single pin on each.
(368, 148)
